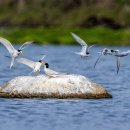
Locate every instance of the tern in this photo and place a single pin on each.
(13, 52)
(34, 65)
(51, 73)
(119, 54)
(105, 51)
(85, 48)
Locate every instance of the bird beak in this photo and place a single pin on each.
(43, 63)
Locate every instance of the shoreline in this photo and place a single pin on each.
(62, 36)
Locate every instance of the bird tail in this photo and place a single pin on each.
(78, 53)
(12, 63)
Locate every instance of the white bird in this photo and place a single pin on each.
(85, 51)
(119, 54)
(105, 51)
(13, 52)
(51, 73)
(34, 65)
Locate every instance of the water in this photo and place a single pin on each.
(74, 114)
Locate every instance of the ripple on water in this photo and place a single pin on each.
(69, 114)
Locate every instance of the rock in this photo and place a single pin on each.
(67, 86)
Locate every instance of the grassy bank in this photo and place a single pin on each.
(58, 35)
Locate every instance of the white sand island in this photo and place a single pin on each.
(66, 86)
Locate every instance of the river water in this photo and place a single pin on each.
(72, 114)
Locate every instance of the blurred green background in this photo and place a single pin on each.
(106, 22)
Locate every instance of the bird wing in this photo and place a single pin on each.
(43, 57)
(27, 62)
(117, 63)
(8, 45)
(98, 59)
(116, 52)
(25, 45)
(90, 47)
(52, 72)
(84, 49)
(12, 63)
(127, 52)
(79, 40)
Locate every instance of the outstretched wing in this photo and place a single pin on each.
(25, 45)
(117, 63)
(43, 57)
(84, 49)
(97, 60)
(127, 52)
(90, 47)
(27, 62)
(79, 40)
(8, 45)
(103, 52)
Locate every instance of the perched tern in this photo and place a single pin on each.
(105, 51)
(51, 73)
(13, 52)
(34, 65)
(85, 48)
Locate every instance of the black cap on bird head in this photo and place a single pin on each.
(20, 52)
(87, 53)
(40, 61)
(47, 65)
(112, 51)
(106, 50)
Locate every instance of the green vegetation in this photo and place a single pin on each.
(60, 35)
(105, 22)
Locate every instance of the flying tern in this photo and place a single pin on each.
(105, 51)
(51, 73)
(85, 51)
(119, 54)
(13, 52)
(34, 65)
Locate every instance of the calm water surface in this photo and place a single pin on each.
(77, 114)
